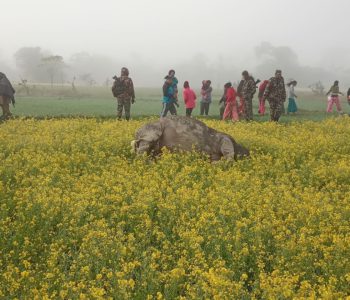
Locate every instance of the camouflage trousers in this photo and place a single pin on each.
(123, 103)
(5, 106)
(276, 109)
(248, 111)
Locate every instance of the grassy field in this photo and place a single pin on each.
(82, 218)
(98, 102)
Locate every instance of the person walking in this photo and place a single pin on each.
(206, 97)
(292, 105)
(123, 90)
(333, 98)
(168, 98)
(7, 93)
(248, 91)
(275, 93)
(231, 110)
(262, 88)
(189, 97)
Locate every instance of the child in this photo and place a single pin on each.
(189, 98)
(231, 110)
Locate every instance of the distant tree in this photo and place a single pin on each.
(28, 60)
(53, 66)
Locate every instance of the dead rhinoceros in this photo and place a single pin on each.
(186, 134)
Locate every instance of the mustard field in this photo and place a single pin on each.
(82, 218)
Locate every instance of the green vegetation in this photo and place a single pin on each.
(43, 101)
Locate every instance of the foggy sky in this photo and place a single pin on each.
(165, 33)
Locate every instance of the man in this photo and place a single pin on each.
(275, 93)
(123, 90)
(185, 134)
(248, 91)
(6, 96)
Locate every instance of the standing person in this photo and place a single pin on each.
(248, 91)
(334, 98)
(171, 75)
(7, 93)
(206, 97)
(292, 106)
(189, 97)
(275, 93)
(168, 98)
(123, 90)
(262, 88)
(222, 104)
(231, 110)
(241, 109)
(348, 96)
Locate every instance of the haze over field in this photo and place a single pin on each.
(200, 39)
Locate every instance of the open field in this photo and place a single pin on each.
(98, 102)
(82, 218)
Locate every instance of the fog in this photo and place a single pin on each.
(214, 40)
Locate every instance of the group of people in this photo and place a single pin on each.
(235, 104)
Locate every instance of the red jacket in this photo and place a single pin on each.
(231, 95)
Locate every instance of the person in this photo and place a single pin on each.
(231, 110)
(333, 98)
(222, 104)
(348, 96)
(7, 93)
(262, 88)
(189, 97)
(206, 97)
(186, 134)
(168, 97)
(275, 93)
(248, 91)
(241, 109)
(123, 90)
(292, 106)
(171, 75)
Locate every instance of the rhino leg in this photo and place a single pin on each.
(227, 149)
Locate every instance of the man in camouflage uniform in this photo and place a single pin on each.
(6, 96)
(127, 96)
(248, 91)
(275, 93)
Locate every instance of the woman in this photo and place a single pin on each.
(189, 97)
(206, 97)
(231, 110)
(262, 88)
(334, 98)
(168, 98)
(292, 106)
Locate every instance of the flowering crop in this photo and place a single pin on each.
(82, 218)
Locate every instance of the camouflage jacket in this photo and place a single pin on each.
(130, 92)
(248, 88)
(275, 90)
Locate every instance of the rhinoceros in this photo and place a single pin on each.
(186, 134)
